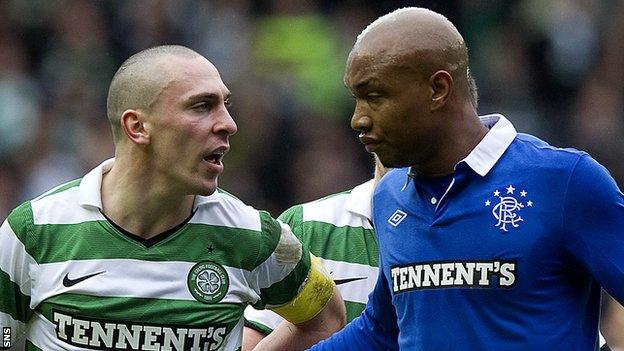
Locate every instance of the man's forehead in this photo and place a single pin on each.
(180, 66)
(194, 77)
(418, 38)
(189, 87)
(363, 66)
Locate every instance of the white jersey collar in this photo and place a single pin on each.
(89, 191)
(485, 155)
(489, 150)
(360, 199)
(204, 200)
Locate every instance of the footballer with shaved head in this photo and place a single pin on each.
(489, 239)
(145, 252)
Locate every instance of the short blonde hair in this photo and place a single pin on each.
(137, 84)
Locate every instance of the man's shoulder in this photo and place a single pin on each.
(47, 213)
(530, 156)
(338, 209)
(328, 199)
(532, 148)
(60, 205)
(225, 210)
(393, 181)
(334, 201)
(64, 189)
(221, 197)
(225, 213)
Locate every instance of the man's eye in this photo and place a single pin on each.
(204, 106)
(373, 97)
(227, 103)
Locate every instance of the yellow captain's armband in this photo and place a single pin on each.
(316, 291)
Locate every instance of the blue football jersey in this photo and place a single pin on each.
(511, 257)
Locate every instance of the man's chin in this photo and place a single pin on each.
(390, 163)
(208, 189)
(207, 192)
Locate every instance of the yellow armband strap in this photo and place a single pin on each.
(313, 296)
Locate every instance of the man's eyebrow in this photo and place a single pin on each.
(203, 96)
(361, 85)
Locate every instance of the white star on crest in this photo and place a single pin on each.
(487, 203)
(530, 203)
(510, 189)
(496, 193)
(523, 193)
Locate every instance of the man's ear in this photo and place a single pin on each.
(132, 123)
(441, 83)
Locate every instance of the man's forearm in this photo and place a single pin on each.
(289, 336)
(251, 338)
(612, 323)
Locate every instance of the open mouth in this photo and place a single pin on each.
(214, 158)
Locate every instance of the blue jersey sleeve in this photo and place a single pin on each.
(375, 329)
(593, 224)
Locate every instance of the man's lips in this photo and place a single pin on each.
(369, 143)
(213, 158)
(216, 156)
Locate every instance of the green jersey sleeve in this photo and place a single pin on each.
(294, 218)
(264, 320)
(281, 274)
(15, 276)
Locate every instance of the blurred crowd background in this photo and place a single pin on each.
(555, 68)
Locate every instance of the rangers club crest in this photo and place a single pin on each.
(506, 207)
(208, 282)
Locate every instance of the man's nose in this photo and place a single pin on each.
(226, 123)
(360, 120)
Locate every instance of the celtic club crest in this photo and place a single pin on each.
(208, 282)
(507, 210)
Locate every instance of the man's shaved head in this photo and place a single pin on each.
(139, 81)
(420, 40)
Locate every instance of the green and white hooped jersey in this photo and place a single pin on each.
(69, 280)
(338, 230)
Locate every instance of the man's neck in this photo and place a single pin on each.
(457, 143)
(139, 205)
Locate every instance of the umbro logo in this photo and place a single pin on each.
(68, 282)
(397, 217)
